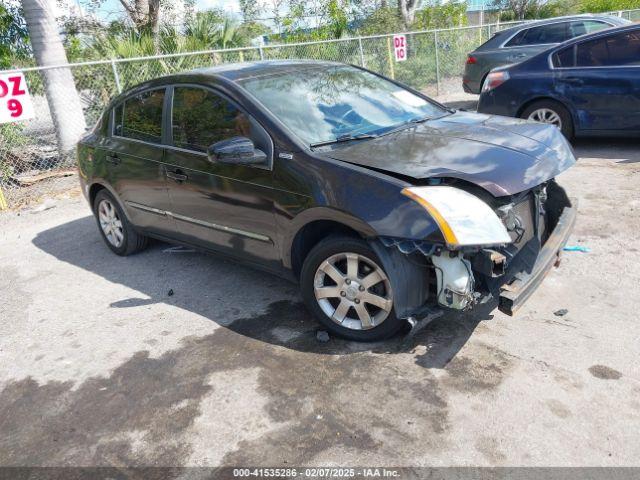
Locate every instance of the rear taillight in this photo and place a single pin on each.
(471, 60)
(494, 80)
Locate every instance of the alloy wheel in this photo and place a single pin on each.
(110, 223)
(546, 115)
(353, 291)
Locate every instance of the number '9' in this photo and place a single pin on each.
(15, 107)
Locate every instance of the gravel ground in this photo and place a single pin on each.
(102, 366)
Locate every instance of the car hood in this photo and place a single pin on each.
(503, 155)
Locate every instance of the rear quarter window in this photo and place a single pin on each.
(541, 35)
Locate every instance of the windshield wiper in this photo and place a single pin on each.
(413, 121)
(406, 124)
(347, 137)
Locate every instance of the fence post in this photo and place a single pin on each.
(435, 42)
(361, 52)
(261, 52)
(116, 76)
(390, 54)
(3, 201)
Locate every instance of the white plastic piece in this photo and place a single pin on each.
(455, 281)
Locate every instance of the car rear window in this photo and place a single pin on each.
(583, 27)
(140, 117)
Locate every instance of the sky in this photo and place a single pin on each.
(112, 9)
(231, 6)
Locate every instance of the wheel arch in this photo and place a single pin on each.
(93, 192)
(312, 226)
(540, 98)
(99, 185)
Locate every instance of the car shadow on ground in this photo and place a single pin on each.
(618, 150)
(284, 322)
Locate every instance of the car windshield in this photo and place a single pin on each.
(323, 104)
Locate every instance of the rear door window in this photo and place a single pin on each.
(140, 117)
(544, 34)
(565, 57)
(622, 49)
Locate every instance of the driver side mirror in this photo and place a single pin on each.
(236, 151)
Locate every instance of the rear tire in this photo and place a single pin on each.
(117, 232)
(359, 299)
(552, 112)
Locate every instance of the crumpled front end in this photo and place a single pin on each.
(538, 222)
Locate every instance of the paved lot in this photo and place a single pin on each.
(100, 365)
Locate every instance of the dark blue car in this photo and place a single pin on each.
(587, 86)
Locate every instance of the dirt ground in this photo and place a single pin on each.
(185, 359)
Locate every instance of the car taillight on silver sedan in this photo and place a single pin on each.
(494, 80)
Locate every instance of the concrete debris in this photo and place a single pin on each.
(322, 336)
(46, 205)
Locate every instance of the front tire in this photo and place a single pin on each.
(117, 232)
(551, 112)
(346, 288)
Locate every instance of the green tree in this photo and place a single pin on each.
(249, 9)
(14, 36)
(407, 10)
(441, 15)
(381, 20)
(595, 6)
(205, 31)
(517, 9)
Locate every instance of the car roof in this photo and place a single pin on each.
(600, 33)
(499, 37)
(238, 71)
(228, 73)
(547, 21)
(573, 41)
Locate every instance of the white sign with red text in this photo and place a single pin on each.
(400, 47)
(15, 102)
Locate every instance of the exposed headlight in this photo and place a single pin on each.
(463, 218)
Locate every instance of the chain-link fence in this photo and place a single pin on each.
(33, 162)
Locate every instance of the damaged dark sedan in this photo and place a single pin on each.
(383, 204)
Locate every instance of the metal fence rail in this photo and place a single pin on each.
(31, 165)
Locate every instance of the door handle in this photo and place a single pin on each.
(177, 175)
(113, 158)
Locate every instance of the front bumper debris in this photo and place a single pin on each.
(514, 294)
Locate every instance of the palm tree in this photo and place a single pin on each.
(62, 97)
